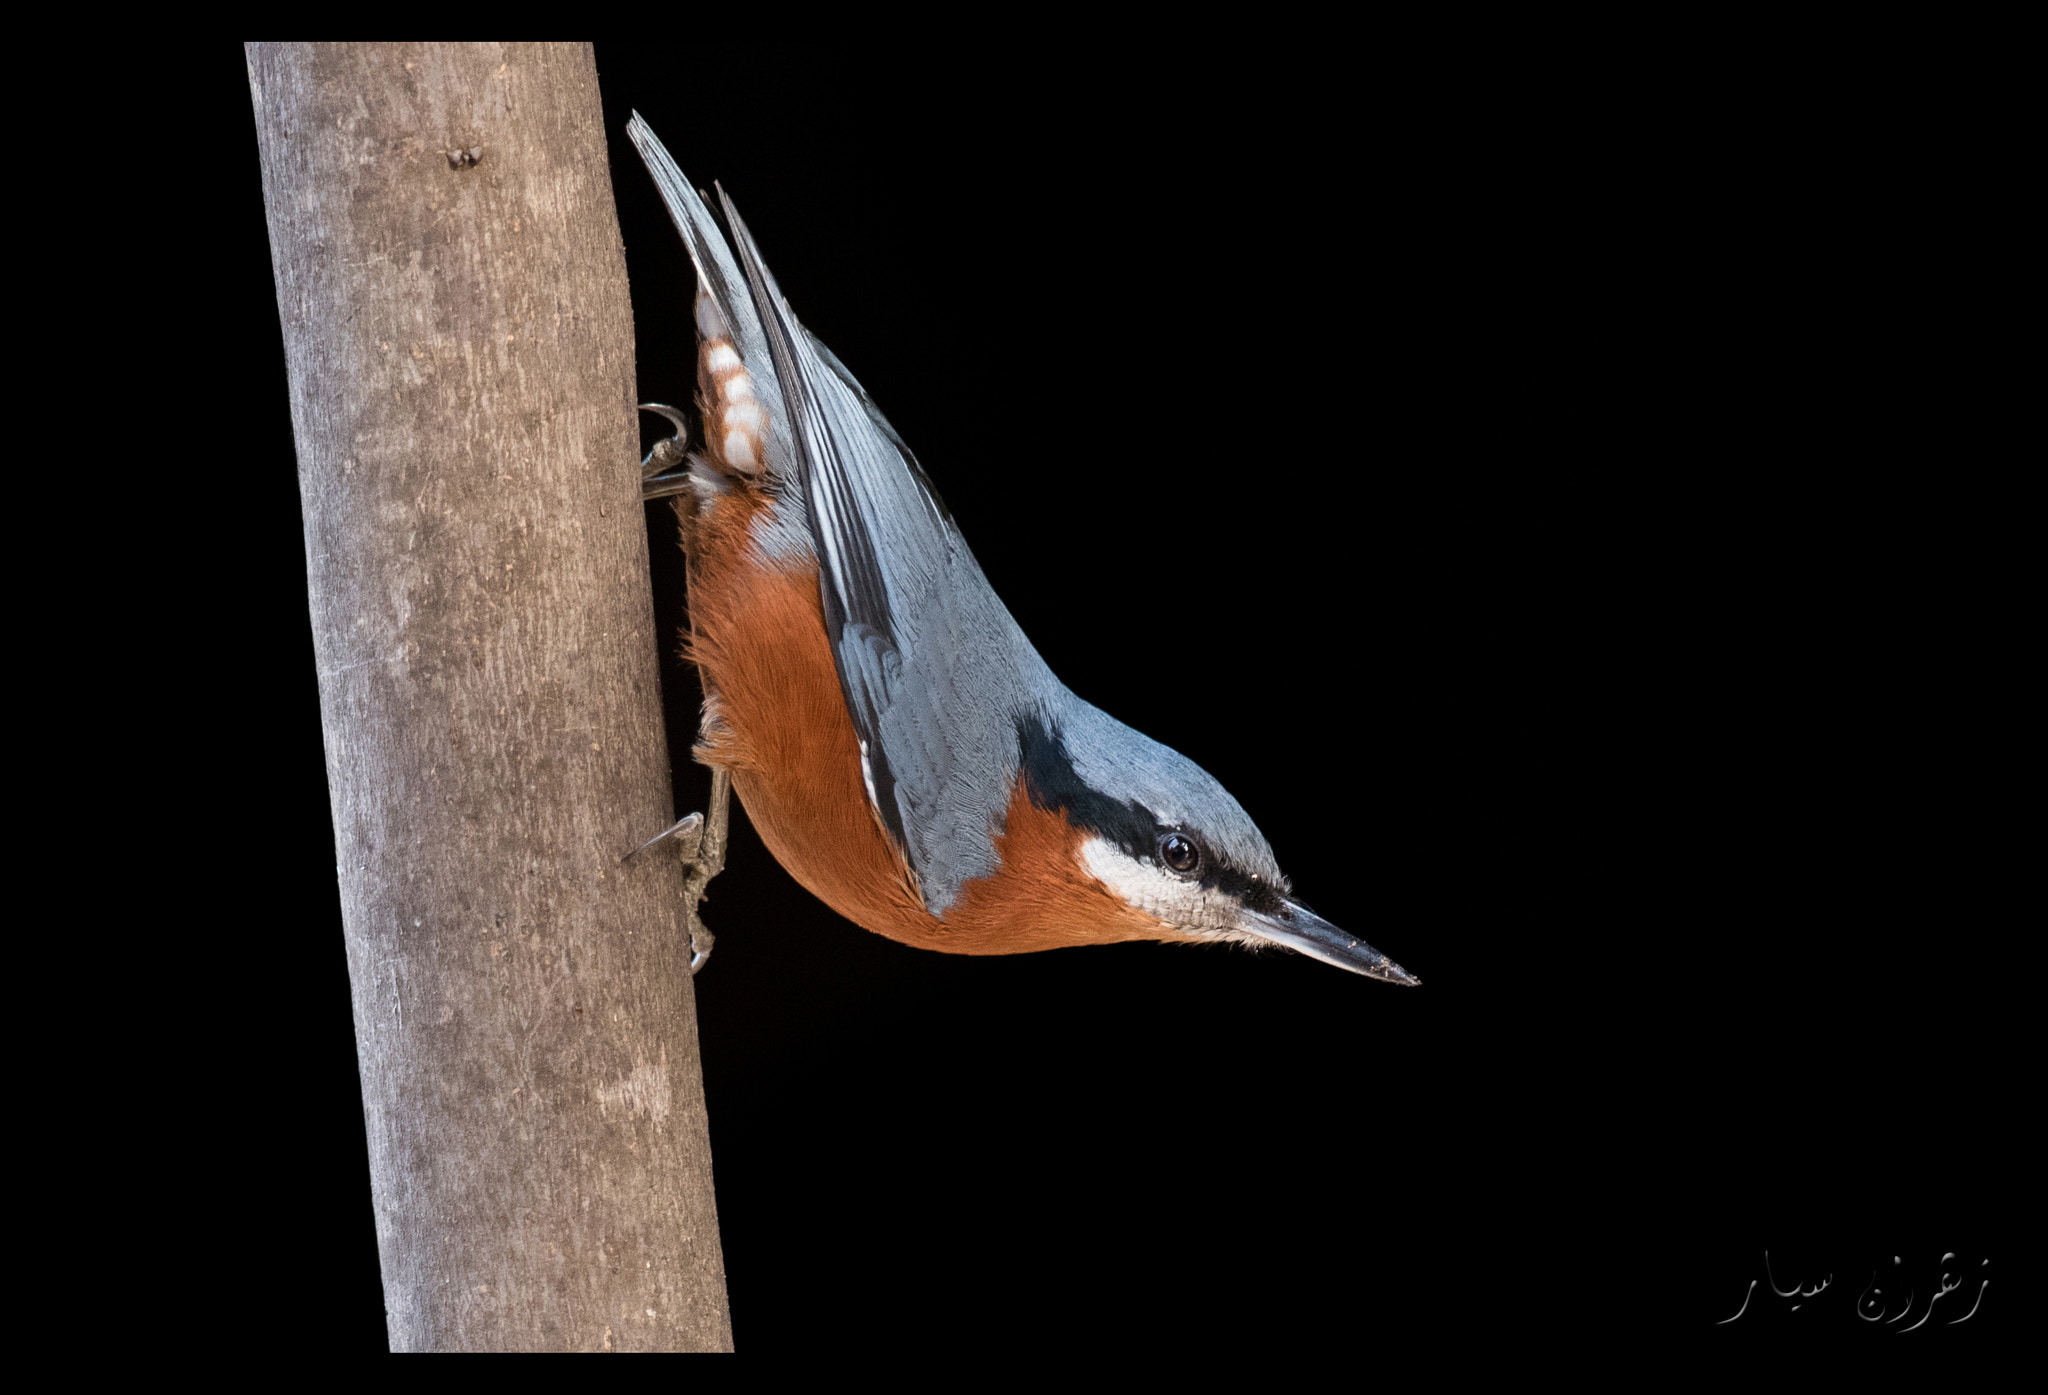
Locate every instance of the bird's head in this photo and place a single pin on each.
(1169, 841)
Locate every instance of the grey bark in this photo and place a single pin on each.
(461, 367)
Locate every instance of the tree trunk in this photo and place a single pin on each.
(461, 358)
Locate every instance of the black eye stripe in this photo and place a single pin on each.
(1255, 892)
(1048, 774)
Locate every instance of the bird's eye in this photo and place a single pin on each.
(1180, 852)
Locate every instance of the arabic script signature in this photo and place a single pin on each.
(1871, 1304)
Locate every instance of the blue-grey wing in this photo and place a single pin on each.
(936, 674)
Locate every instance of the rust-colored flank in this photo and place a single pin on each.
(775, 718)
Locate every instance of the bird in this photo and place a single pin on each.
(896, 741)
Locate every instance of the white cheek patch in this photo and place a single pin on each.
(1157, 892)
(1129, 878)
(1198, 914)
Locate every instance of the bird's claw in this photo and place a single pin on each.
(700, 839)
(668, 451)
(666, 469)
(687, 831)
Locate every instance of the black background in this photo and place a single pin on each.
(1539, 506)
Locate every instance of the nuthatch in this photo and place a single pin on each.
(898, 743)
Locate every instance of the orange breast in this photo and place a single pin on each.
(776, 719)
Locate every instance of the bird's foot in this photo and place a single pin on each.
(700, 838)
(666, 470)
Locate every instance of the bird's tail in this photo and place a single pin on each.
(745, 429)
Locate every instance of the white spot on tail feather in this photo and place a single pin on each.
(722, 356)
(710, 319)
(738, 450)
(745, 415)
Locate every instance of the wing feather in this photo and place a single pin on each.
(934, 671)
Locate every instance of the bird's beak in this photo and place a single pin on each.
(1302, 930)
